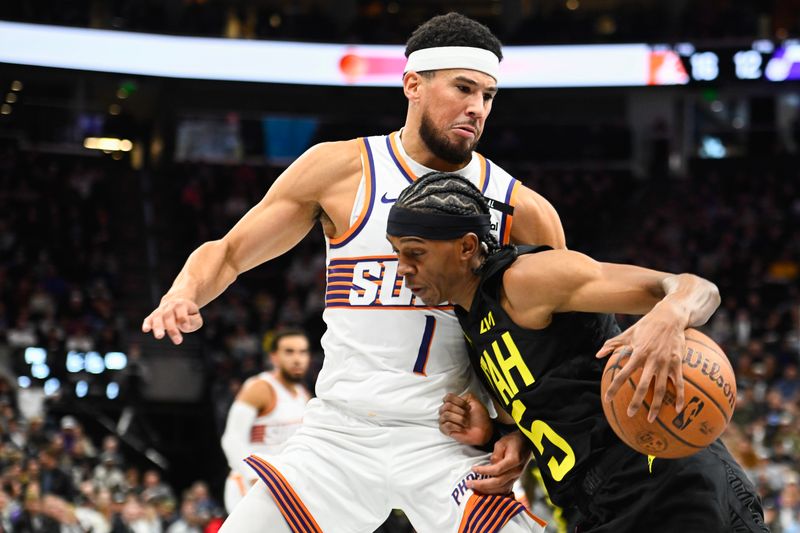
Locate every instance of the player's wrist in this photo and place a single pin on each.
(499, 430)
(671, 311)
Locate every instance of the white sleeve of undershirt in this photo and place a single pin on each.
(236, 439)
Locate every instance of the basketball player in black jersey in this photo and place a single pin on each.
(534, 319)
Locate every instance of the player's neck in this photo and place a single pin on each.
(416, 149)
(287, 383)
(464, 294)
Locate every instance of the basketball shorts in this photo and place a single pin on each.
(342, 473)
(706, 492)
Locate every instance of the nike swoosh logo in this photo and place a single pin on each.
(387, 200)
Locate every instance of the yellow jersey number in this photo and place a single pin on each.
(539, 431)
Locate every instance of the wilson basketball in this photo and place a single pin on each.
(709, 399)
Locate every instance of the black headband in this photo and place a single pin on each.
(405, 222)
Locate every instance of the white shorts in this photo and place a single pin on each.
(342, 473)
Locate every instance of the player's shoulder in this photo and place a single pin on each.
(342, 153)
(326, 163)
(536, 220)
(258, 384)
(530, 269)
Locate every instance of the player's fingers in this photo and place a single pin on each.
(493, 485)
(677, 380)
(147, 324)
(450, 407)
(658, 396)
(449, 428)
(609, 346)
(641, 390)
(628, 365)
(195, 323)
(158, 324)
(454, 418)
(500, 466)
(455, 399)
(172, 329)
(497, 469)
(181, 316)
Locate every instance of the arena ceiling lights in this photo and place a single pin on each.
(320, 64)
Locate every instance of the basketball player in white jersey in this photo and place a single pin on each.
(266, 412)
(370, 442)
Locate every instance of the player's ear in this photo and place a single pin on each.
(470, 246)
(412, 85)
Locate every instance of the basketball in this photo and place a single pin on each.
(709, 399)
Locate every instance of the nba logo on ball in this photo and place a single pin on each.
(689, 413)
(709, 385)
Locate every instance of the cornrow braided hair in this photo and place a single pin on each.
(448, 194)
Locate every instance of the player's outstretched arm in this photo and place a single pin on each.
(536, 221)
(570, 281)
(273, 226)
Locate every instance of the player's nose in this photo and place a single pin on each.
(475, 106)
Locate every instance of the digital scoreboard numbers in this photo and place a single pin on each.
(763, 61)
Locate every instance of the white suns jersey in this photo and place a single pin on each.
(387, 354)
(270, 432)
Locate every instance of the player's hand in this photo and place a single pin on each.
(465, 419)
(656, 344)
(509, 458)
(173, 317)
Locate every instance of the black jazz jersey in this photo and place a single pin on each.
(548, 379)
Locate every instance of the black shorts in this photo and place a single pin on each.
(707, 492)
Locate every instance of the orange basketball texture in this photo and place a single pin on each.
(709, 400)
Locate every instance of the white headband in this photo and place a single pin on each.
(442, 57)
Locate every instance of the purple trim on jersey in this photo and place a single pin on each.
(298, 521)
(332, 279)
(376, 305)
(503, 216)
(371, 198)
(353, 260)
(490, 514)
(488, 175)
(396, 162)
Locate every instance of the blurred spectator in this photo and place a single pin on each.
(204, 504)
(136, 517)
(54, 480)
(789, 384)
(154, 488)
(108, 474)
(190, 520)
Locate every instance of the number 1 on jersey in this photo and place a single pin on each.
(425, 345)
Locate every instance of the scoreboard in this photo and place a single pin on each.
(763, 60)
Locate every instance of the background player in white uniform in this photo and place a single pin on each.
(370, 441)
(266, 412)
